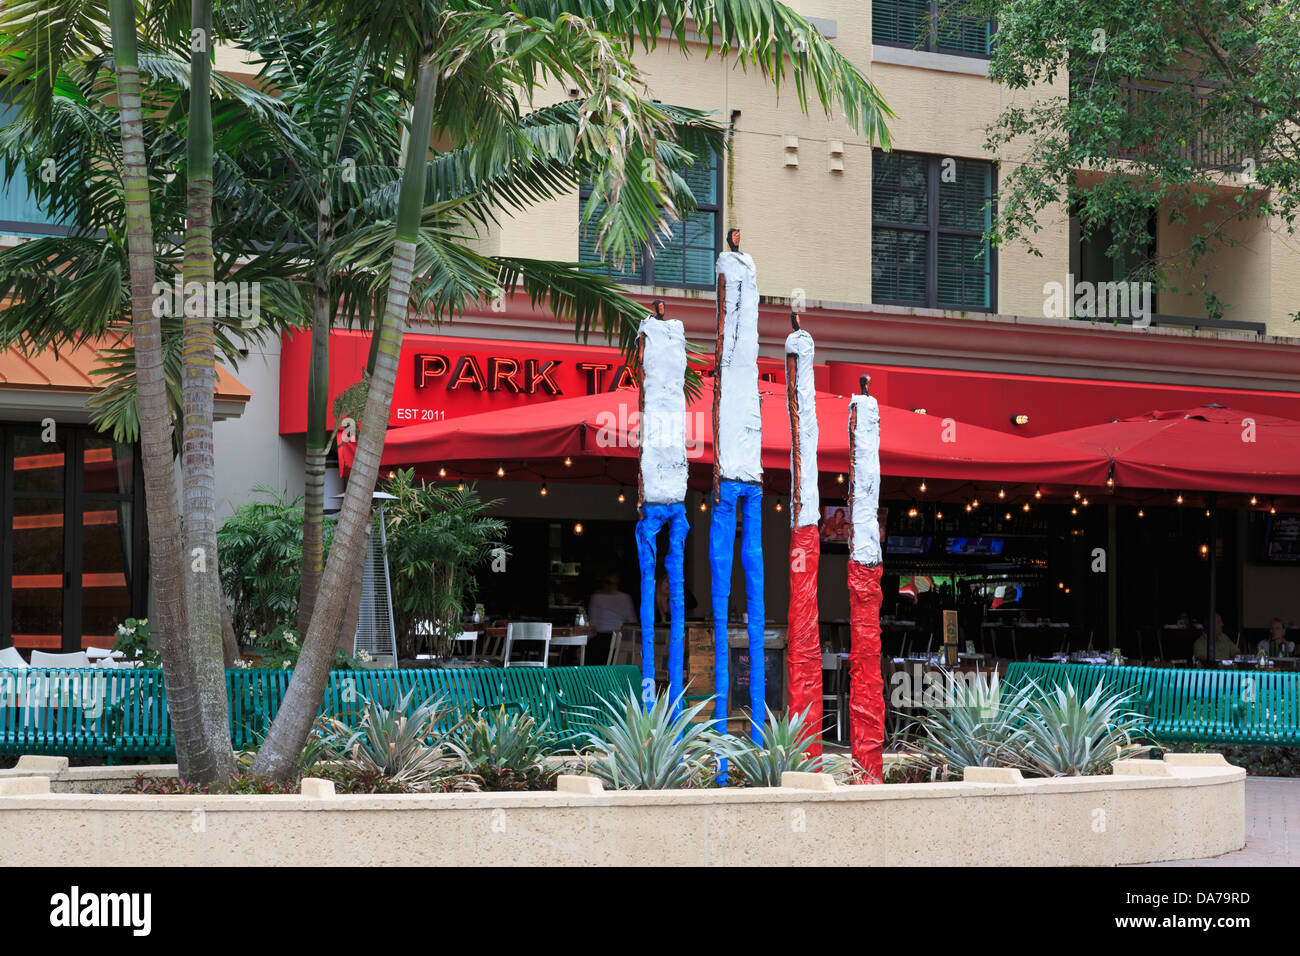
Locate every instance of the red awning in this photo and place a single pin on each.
(1207, 448)
(594, 430)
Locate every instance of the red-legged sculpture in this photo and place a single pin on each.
(803, 643)
(866, 683)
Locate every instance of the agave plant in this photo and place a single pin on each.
(507, 751)
(1063, 734)
(972, 725)
(405, 744)
(653, 750)
(786, 737)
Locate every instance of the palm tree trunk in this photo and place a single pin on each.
(313, 518)
(279, 754)
(162, 510)
(198, 381)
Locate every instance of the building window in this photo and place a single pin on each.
(73, 547)
(20, 213)
(930, 25)
(928, 219)
(686, 258)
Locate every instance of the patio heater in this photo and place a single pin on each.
(376, 634)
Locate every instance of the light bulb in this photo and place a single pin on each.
(1038, 491)
(922, 486)
(1026, 505)
(839, 479)
(543, 491)
(577, 528)
(442, 472)
(1002, 493)
(568, 462)
(501, 471)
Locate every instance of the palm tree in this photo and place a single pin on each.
(42, 41)
(469, 66)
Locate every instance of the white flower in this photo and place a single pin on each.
(286, 665)
(363, 657)
(290, 639)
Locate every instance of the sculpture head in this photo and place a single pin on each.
(794, 321)
(733, 239)
(659, 308)
(865, 383)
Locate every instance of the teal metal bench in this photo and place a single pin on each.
(1189, 705)
(122, 713)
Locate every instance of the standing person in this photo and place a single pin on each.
(607, 611)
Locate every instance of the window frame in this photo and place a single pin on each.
(646, 271)
(932, 230)
(931, 44)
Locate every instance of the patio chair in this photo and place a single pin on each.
(467, 637)
(832, 695)
(527, 632)
(10, 658)
(43, 659)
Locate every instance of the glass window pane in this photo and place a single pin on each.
(109, 467)
(37, 582)
(898, 188)
(39, 465)
(963, 269)
(900, 22)
(897, 265)
(631, 270)
(964, 193)
(106, 571)
(966, 35)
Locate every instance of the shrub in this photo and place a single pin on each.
(507, 751)
(132, 640)
(403, 744)
(786, 737)
(653, 750)
(974, 729)
(1066, 735)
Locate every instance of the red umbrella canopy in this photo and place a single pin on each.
(1208, 448)
(605, 426)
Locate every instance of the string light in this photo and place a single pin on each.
(1038, 491)
(922, 486)
(1179, 499)
(501, 471)
(938, 516)
(1141, 513)
(703, 506)
(1253, 501)
(460, 486)
(1007, 516)
(568, 462)
(1084, 502)
(1026, 507)
(778, 504)
(911, 512)
(1205, 550)
(1272, 508)
(442, 472)
(543, 491)
(577, 527)
(1076, 494)
(968, 506)
(621, 497)
(1207, 512)
(839, 479)
(1074, 511)
(1002, 493)
(974, 502)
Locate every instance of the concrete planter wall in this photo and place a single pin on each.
(1189, 805)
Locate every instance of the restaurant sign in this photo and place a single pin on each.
(441, 377)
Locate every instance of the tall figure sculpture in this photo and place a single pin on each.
(803, 643)
(661, 489)
(866, 684)
(737, 473)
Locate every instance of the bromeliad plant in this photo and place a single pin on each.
(786, 737)
(507, 751)
(405, 744)
(1064, 734)
(653, 750)
(971, 725)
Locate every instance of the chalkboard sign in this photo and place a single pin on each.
(773, 668)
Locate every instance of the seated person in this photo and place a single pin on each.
(1225, 648)
(1277, 644)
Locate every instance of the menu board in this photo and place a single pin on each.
(774, 671)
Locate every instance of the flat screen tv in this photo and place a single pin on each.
(982, 546)
(897, 544)
(1282, 539)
